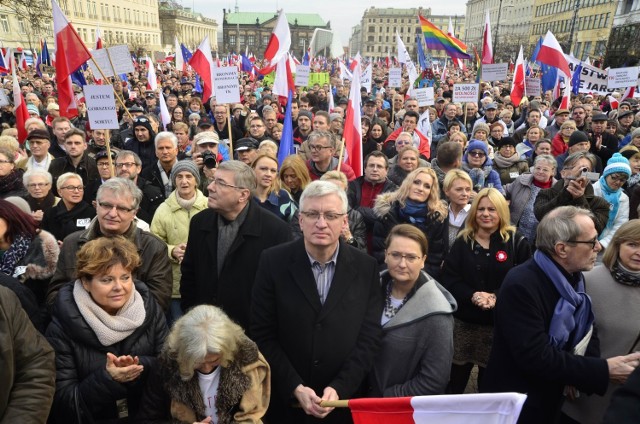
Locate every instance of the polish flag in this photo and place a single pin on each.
(628, 93)
(152, 80)
(8, 59)
(165, 116)
(331, 104)
(355, 62)
(443, 77)
(566, 96)
(487, 44)
(20, 111)
(484, 408)
(551, 54)
(180, 65)
(280, 41)
(353, 128)
(99, 44)
(613, 102)
(202, 63)
(71, 53)
(283, 82)
(517, 90)
(23, 62)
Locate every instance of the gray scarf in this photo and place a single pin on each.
(110, 329)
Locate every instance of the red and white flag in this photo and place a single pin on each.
(98, 38)
(280, 41)
(517, 90)
(71, 53)
(487, 44)
(202, 63)
(484, 408)
(331, 104)
(23, 62)
(152, 80)
(20, 107)
(443, 76)
(353, 127)
(283, 81)
(165, 116)
(613, 102)
(566, 96)
(551, 54)
(456, 60)
(628, 93)
(8, 59)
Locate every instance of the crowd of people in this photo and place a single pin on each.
(177, 272)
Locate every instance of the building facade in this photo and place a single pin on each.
(510, 25)
(379, 26)
(355, 41)
(252, 30)
(591, 22)
(190, 27)
(623, 48)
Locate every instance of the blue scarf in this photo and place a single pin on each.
(572, 317)
(414, 212)
(613, 197)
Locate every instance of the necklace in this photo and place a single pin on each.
(389, 310)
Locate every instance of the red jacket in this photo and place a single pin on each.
(558, 146)
(425, 146)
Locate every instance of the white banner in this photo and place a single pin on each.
(101, 107)
(494, 72)
(463, 93)
(120, 58)
(366, 78)
(623, 77)
(592, 79)
(395, 77)
(226, 84)
(425, 96)
(532, 86)
(302, 76)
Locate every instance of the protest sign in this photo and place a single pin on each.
(101, 107)
(320, 78)
(463, 93)
(494, 72)
(532, 86)
(4, 100)
(623, 77)
(302, 76)
(120, 58)
(395, 77)
(592, 80)
(424, 96)
(226, 85)
(366, 77)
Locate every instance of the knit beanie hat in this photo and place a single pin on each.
(33, 109)
(635, 133)
(477, 145)
(481, 127)
(305, 113)
(506, 141)
(618, 164)
(185, 165)
(577, 137)
(142, 121)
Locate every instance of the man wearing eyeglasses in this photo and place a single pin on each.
(117, 203)
(316, 311)
(76, 160)
(322, 147)
(219, 264)
(544, 343)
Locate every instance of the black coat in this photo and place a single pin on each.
(354, 194)
(625, 403)
(83, 386)
(61, 222)
(153, 176)
(521, 358)
(87, 169)
(306, 342)
(152, 198)
(230, 288)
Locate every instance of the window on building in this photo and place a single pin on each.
(302, 42)
(601, 48)
(372, 29)
(78, 8)
(4, 23)
(587, 49)
(251, 40)
(578, 48)
(22, 27)
(265, 40)
(241, 38)
(370, 38)
(606, 21)
(232, 41)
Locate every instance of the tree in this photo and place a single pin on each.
(34, 13)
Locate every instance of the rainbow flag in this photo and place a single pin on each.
(438, 40)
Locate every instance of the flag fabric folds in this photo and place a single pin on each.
(551, 54)
(549, 73)
(152, 80)
(165, 116)
(438, 40)
(484, 408)
(20, 108)
(352, 126)
(575, 80)
(517, 90)
(286, 139)
(422, 58)
(280, 41)
(71, 53)
(283, 82)
(487, 44)
(202, 63)
(180, 62)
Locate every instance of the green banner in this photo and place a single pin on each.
(318, 78)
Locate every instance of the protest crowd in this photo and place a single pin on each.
(247, 262)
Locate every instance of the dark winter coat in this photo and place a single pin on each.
(61, 222)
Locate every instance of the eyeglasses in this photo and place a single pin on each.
(103, 164)
(317, 147)
(618, 178)
(109, 207)
(328, 216)
(38, 185)
(125, 164)
(591, 242)
(5, 161)
(398, 257)
(477, 154)
(72, 188)
(219, 183)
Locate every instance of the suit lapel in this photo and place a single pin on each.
(302, 275)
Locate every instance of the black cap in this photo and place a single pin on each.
(205, 122)
(625, 113)
(246, 143)
(102, 154)
(577, 137)
(370, 100)
(150, 95)
(599, 117)
(38, 133)
(136, 108)
(506, 141)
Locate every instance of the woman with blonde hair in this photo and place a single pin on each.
(210, 371)
(269, 193)
(457, 187)
(484, 251)
(294, 176)
(417, 202)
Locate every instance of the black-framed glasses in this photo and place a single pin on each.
(328, 216)
(219, 183)
(124, 164)
(477, 154)
(109, 207)
(318, 148)
(102, 164)
(619, 178)
(592, 242)
(72, 188)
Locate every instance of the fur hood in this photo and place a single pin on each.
(187, 404)
(41, 259)
(384, 202)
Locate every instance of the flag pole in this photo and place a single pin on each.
(229, 129)
(114, 90)
(334, 403)
(341, 153)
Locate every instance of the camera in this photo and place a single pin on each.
(209, 159)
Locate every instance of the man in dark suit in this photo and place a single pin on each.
(220, 261)
(316, 312)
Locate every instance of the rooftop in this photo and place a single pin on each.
(247, 18)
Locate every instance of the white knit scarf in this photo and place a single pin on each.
(110, 329)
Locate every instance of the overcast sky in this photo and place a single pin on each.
(343, 14)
